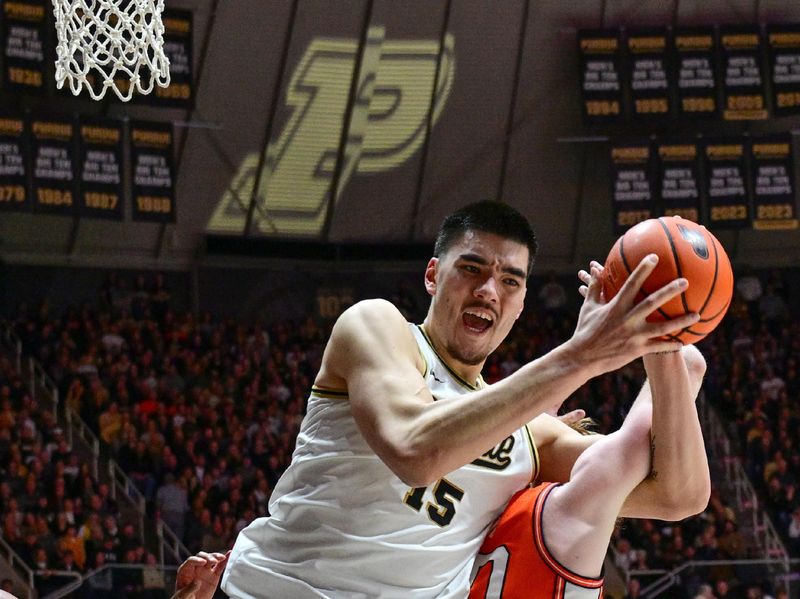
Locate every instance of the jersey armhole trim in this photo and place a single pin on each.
(534, 454)
(541, 546)
(329, 393)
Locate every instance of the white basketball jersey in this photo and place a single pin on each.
(343, 525)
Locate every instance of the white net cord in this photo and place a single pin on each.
(117, 44)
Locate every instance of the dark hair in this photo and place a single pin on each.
(489, 217)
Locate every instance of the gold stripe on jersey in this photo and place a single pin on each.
(424, 361)
(534, 454)
(480, 383)
(329, 393)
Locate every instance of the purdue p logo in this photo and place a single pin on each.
(387, 126)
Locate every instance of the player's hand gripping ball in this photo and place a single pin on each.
(684, 249)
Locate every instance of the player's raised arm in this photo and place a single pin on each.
(679, 484)
(373, 352)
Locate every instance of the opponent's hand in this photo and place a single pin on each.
(611, 334)
(572, 417)
(199, 575)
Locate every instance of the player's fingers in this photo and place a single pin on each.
(668, 327)
(595, 288)
(583, 290)
(207, 556)
(584, 277)
(659, 297)
(639, 275)
(573, 416)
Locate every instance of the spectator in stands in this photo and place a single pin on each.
(100, 584)
(172, 503)
(794, 531)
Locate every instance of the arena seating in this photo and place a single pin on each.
(202, 414)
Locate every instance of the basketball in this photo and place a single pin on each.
(684, 249)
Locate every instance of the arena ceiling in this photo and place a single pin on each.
(503, 123)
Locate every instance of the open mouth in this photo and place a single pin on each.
(477, 320)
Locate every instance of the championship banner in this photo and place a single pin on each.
(178, 48)
(725, 166)
(24, 36)
(773, 182)
(153, 197)
(52, 150)
(600, 75)
(632, 185)
(679, 179)
(784, 63)
(13, 164)
(647, 81)
(696, 79)
(742, 74)
(100, 169)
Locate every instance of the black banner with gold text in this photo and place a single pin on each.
(679, 179)
(743, 78)
(695, 75)
(647, 78)
(100, 181)
(784, 63)
(178, 48)
(772, 166)
(153, 197)
(601, 85)
(24, 52)
(54, 169)
(14, 164)
(632, 184)
(725, 183)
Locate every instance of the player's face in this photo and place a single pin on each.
(478, 290)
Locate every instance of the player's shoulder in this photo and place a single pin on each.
(371, 315)
(371, 331)
(372, 321)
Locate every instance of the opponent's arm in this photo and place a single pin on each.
(579, 516)
(679, 483)
(682, 485)
(374, 353)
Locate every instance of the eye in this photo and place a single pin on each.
(471, 268)
(512, 282)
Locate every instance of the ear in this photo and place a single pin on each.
(430, 275)
(522, 307)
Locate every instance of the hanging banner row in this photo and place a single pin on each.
(724, 183)
(28, 41)
(76, 166)
(734, 72)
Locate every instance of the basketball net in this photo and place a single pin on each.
(117, 44)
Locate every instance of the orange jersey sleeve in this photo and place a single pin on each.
(514, 562)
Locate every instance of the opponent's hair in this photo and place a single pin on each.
(489, 217)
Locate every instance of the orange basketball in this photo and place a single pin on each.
(684, 249)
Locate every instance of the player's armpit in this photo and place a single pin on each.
(559, 447)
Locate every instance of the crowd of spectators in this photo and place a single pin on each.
(55, 515)
(202, 413)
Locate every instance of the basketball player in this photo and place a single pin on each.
(391, 487)
(551, 540)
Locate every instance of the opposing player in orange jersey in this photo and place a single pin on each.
(551, 540)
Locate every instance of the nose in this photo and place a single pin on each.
(487, 290)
